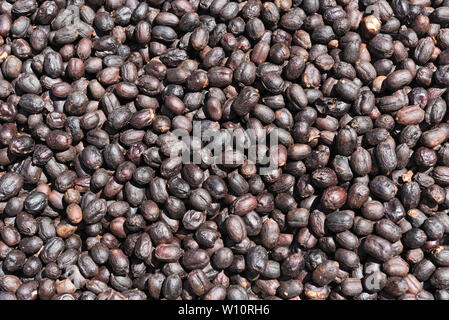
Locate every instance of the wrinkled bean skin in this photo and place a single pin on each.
(224, 150)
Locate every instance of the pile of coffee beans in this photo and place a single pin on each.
(98, 200)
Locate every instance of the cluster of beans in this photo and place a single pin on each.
(93, 204)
